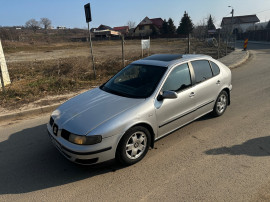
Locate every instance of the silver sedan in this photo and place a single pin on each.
(145, 101)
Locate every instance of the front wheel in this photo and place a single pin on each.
(133, 146)
(221, 104)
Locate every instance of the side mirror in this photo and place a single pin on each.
(167, 95)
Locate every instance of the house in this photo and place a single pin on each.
(104, 31)
(124, 30)
(239, 24)
(104, 27)
(147, 26)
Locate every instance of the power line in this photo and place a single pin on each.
(263, 11)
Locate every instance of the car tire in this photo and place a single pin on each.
(221, 104)
(133, 146)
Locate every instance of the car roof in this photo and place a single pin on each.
(167, 60)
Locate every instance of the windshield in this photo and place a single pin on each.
(136, 81)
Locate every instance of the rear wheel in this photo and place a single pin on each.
(133, 146)
(221, 104)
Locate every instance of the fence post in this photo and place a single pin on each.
(123, 51)
(149, 47)
(188, 43)
(218, 44)
(226, 49)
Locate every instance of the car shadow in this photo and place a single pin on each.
(255, 147)
(29, 162)
(206, 117)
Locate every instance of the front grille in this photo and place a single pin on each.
(86, 161)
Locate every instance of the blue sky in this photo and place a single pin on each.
(70, 13)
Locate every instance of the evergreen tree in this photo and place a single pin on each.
(155, 31)
(164, 29)
(210, 24)
(186, 26)
(171, 27)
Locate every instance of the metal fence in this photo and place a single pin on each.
(256, 35)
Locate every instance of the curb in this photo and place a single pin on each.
(244, 59)
(50, 108)
(30, 112)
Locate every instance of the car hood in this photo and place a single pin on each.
(89, 110)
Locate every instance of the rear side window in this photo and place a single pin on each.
(215, 68)
(202, 70)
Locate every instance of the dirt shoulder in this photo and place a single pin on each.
(43, 74)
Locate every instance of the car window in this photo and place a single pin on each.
(215, 68)
(135, 81)
(178, 79)
(202, 70)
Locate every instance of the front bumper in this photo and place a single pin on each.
(84, 154)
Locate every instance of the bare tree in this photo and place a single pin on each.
(45, 22)
(32, 24)
(131, 24)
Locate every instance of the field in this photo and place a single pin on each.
(41, 68)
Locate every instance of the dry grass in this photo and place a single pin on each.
(33, 80)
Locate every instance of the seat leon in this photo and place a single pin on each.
(145, 101)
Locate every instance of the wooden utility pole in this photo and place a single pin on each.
(123, 51)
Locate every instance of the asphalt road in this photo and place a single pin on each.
(212, 159)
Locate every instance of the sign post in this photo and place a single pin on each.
(123, 51)
(88, 18)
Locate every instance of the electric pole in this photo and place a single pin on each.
(233, 34)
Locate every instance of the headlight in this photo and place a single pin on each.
(84, 140)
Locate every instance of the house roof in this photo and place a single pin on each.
(104, 27)
(120, 28)
(157, 21)
(240, 20)
(154, 21)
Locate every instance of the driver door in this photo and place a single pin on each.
(174, 113)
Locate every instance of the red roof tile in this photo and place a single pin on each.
(120, 28)
(157, 21)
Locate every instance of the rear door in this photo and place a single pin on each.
(207, 86)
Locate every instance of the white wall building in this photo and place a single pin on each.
(239, 24)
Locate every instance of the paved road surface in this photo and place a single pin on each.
(212, 159)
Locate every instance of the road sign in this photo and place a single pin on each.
(3, 67)
(87, 10)
(145, 44)
(245, 44)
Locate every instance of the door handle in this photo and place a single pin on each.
(192, 94)
(218, 82)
